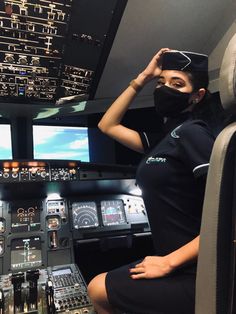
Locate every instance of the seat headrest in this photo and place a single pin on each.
(227, 78)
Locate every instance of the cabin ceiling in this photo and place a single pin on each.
(147, 26)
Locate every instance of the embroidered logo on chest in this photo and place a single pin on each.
(154, 160)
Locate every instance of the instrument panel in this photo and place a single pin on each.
(51, 49)
(43, 223)
(26, 253)
(25, 218)
(45, 209)
(113, 212)
(84, 215)
(39, 232)
(58, 171)
(104, 214)
(36, 171)
(33, 39)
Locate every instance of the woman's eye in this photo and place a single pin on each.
(160, 83)
(178, 85)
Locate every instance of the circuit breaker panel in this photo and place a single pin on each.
(52, 49)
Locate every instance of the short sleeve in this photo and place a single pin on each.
(149, 140)
(196, 143)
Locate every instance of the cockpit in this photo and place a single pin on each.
(70, 206)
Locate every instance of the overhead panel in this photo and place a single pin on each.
(54, 49)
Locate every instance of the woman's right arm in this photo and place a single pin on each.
(110, 123)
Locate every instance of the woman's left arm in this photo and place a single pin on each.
(160, 266)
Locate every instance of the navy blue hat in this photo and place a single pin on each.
(184, 61)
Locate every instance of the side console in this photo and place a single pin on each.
(70, 292)
(57, 289)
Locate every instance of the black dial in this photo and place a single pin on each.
(84, 215)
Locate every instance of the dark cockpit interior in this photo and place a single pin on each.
(70, 207)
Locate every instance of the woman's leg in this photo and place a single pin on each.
(98, 295)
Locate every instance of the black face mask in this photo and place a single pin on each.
(169, 102)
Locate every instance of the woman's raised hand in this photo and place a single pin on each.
(153, 69)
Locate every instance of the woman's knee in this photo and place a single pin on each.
(97, 288)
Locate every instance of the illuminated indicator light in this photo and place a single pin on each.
(6, 164)
(72, 164)
(21, 91)
(15, 164)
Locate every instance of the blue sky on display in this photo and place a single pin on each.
(58, 142)
(5, 142)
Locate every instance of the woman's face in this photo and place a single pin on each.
(175, 79)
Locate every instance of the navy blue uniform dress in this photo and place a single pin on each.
(172, 178)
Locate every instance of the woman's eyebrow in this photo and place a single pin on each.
(177, 78)
(172, 78)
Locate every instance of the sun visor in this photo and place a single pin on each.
(227, 78)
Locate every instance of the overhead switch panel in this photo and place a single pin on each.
(52, 49)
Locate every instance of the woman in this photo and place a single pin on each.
(172, 178)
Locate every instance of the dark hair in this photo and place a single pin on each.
(209, 108)
(198, 80)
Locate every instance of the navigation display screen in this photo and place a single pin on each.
(84, 215)
(25, 218)
(113, 212)
(26, 253)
